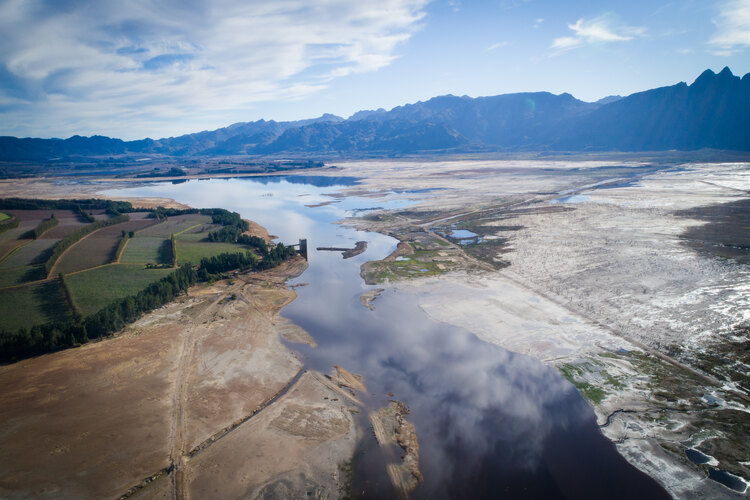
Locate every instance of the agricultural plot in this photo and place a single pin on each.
(96, 249)
(36, 216)
(66, 227)
(142, 250)
(131, 225)
(26, 306)
(188, 251)
(175, 225)
(16, 232)
(198, 233)
(34, 252)
(19, 275)
(94, 289)
(8, 244)
(141, 216)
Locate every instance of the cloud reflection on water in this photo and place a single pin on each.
(489, 422)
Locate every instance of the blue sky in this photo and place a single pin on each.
(138, 68)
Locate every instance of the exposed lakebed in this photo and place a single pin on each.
(490, 423)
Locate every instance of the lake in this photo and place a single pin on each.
(490, 423)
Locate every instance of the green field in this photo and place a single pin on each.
(4, 216)
(145, 249)
(32, 253)
(193, 252)
(175, 225)
(92, 290)
(31, 305)
(24, 274)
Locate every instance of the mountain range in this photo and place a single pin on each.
(712, 112)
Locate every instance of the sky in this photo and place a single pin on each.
(158, 68)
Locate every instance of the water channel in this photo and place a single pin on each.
(490, 423)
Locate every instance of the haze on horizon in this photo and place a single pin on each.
(132, 70)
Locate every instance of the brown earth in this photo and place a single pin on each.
(390, 426)
(191, 400)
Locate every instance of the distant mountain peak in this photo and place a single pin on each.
(329, 117)
(708, 77)
(609, 99)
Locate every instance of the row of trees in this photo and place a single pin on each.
(84, 204)
(173, 250)
(72, 305)
(43, 226)
(72, 238)
(126, 235)
(253, 241)
(84, 216)
(76, 330)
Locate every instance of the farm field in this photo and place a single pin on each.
(197, 233)
(95, 250)
(8, 244)
(188, 251)
(96, 288)
(93, 279)
(98, 248)
(18, 275)
(142, 250)
(26, 306)
(33, 252)
(175, 225)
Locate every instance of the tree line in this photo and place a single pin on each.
(84, 204)
(50, 337)
(42, 227)
(84, 216)
(173, 250)
(126, 235)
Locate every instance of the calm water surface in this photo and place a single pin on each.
(490, 423)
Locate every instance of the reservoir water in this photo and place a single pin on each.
(490, 423)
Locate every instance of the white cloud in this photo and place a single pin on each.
(732, 28)
(597, 30)
(497, 45)
(110, 66)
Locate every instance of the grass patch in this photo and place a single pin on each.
(26, 306)
(188, 251)
(95, 289)
(141, 250)
(589, 392)
(4, 216)
(418, 264)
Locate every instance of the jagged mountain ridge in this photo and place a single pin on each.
(712, 112)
